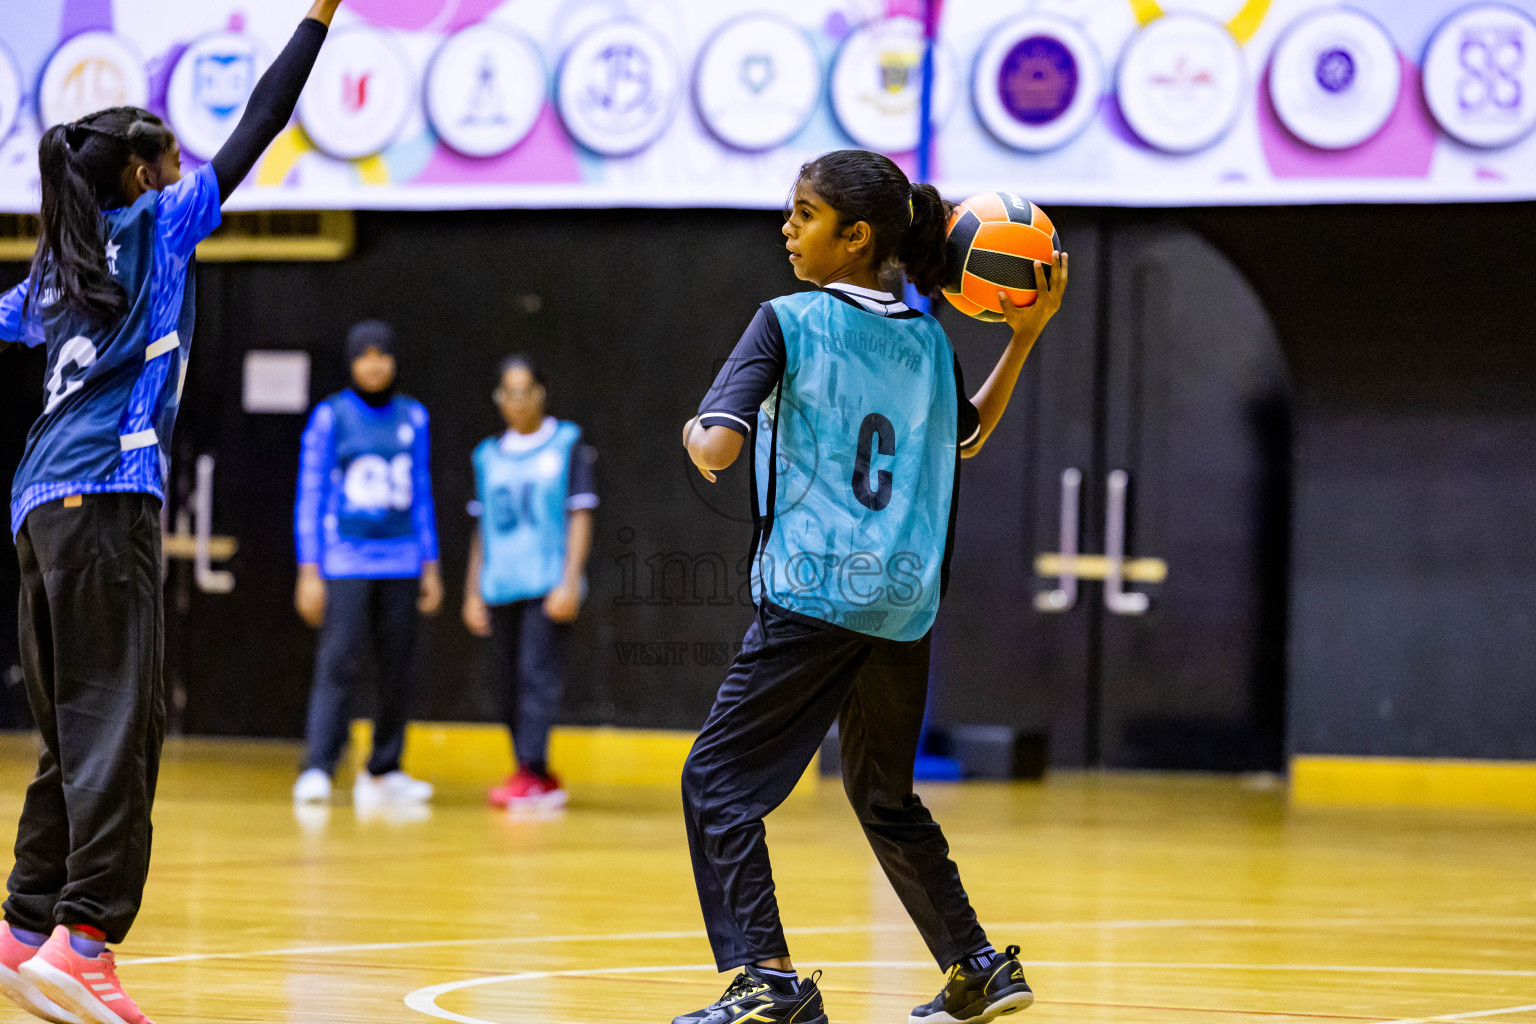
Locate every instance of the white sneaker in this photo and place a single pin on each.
(394, 788)
(313, 787)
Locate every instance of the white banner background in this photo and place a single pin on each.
(1181, 76)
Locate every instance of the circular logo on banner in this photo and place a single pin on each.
(1037, 83)
(10, 92)
(209, 88)
(1181, 83)
(757, 82)
(1480, 75)
(359, 94)
(91, 72)
(619, 87)
(1335, 79)
(877, 84)
(485, 89)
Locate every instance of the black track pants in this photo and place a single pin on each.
(780, 696)
(92, 651)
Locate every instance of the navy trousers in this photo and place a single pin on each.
(363, 617)
(92, 654)
(529, 652)
(790, 682)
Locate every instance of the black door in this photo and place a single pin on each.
(1151, 427)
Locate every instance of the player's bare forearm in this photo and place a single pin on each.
(578, 544)
(711, 448)
(1028, 322)
(472, 570)
(324, 10)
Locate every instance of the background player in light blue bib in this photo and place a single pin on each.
(366, 535)
(858, 418)
(527, 564)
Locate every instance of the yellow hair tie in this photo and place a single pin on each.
(911, 213)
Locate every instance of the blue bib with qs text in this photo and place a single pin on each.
(374, 473)
(864, 478)
(523, 516)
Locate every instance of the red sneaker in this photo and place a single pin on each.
(14, 953)
(515, 787)
(86, 987)
(544, 794)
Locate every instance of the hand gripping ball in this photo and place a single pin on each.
(995, 240)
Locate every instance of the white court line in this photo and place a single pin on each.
(424, 1000)
(375, 947)
(1464, 1016)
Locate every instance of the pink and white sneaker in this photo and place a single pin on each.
(86, 987)
(20, 989)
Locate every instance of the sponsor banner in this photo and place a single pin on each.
(463, 104)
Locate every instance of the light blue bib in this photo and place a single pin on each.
(522, 518)
(866, 445)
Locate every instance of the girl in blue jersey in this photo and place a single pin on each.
(535, 498)
(111, 295)
(366, 535)
(858, 417)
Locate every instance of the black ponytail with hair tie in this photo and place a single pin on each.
(909, 221)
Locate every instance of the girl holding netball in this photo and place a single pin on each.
(857, 415)
(111, 296)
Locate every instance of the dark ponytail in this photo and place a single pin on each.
(909, 221)
(81, 166)
(924, 251)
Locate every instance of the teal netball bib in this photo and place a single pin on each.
(522, 515)
(865, 470)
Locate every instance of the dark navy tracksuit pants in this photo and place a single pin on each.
(92, 654)
(529, 652)
(363, 616)
(790, 682)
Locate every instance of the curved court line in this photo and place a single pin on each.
(424, 1000)
(698, 933)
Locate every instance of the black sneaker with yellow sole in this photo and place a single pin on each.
(755, 997)
(976, 997)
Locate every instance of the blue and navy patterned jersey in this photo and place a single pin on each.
(364, 509)
(112, 392)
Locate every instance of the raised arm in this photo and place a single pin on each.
(273, 100)
(991, 400)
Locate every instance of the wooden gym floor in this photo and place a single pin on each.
(1137, 898)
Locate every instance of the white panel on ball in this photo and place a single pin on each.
(1480, 75)
(618, 88)
(757, 82)
(485, 90)
(209, 89)
(91, 72)
(877, 84)
(1181, 83)
(1335, 78)
(359, 95)
(1037, 83)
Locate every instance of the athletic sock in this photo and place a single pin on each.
(981, 959)
(30, 938)
(786, 982)
(87, 941)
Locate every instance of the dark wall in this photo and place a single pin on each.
(1408, 331)
(1411, 337)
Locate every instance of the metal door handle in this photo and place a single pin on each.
(1064, 597)
(209, 580)
(1116, 598)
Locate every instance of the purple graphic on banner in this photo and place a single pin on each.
(1492, 59)
(85, 16)
(1038, 80)
(544, 157)
(1335, 70)
(416, 15)
(1404, 148)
